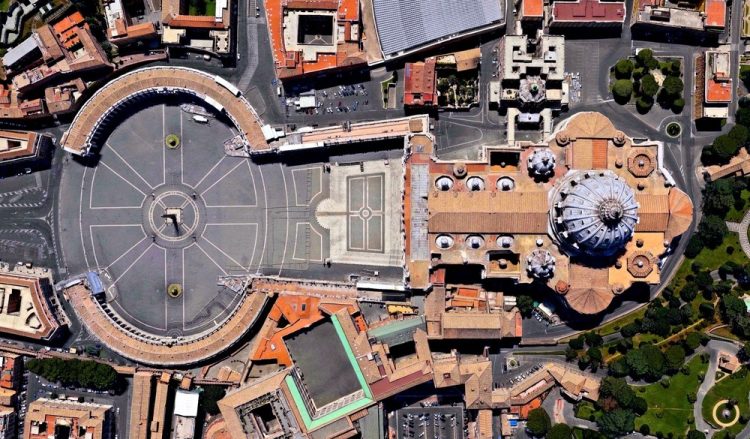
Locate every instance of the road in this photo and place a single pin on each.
(713, 348)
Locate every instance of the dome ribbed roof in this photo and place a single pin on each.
(596, 213)
(542, 162)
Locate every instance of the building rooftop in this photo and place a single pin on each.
(58, 418)
(406, 25)
(602, 196)
(588, 11)
(309, 36)
(24, 310)
(420, 83)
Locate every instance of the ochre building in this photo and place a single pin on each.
(587, 213)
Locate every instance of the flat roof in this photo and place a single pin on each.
(409, 24)
(319, 355)
(588, 11)
(532, 8)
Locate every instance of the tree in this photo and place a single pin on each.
(692, 341)
(630, 329)
(623, 69)
(649, 87)
(689, 292)
(593, 339)
(525, 305)
(673, 86)
(559, 431)
(694, 247)
(744, 353)
(576, 343)
(210, 396)
(644, 57)
(618, 390)
(675, 357)
(643, 104)
(645, 429)
(677, 105)
(695, 434)
(622, 89)
(639, 405)
(619, 368)
(538, 422)
(616, 423)
(570, 354)
(739, 133)
(718, 197)
(707, 310)
(712, 230)
(721, 150)
(742, 116)
(646, 362)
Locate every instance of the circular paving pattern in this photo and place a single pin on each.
(719, 407)
(147, 216)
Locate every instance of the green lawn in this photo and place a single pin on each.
(202, 7)
(735, 386)
(669, 409)
(4, 4)
(584, 410)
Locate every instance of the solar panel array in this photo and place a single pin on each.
(405, 24)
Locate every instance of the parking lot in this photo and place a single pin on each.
(340, 99)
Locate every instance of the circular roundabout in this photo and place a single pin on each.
(163, 218)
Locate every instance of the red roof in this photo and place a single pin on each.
(718, 91)
(588, 11)
(716, 13)
(532, 8)
(420, 83)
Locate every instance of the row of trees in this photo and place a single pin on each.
(726, 146)
(637, 78)
(78, 373)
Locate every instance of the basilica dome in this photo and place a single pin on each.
(595, 213)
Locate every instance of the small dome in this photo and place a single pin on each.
(444, 183)
(596, 213)
(475, 183)
(540, 264)
(505, 184)
(541, 163)
(504, 241)
(444, 241)
(474, 241)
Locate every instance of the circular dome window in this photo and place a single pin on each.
(475, 183)
(504, 241)
(474, 241)
(444, 183)
(505, 184)
(444, 241)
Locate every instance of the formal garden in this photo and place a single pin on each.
(644, 80)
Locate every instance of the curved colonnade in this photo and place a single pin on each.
(212, 89)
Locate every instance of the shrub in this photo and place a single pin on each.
(677, 105)
(649, 87)
(643, 104)
(623, 69)
(622, 90)
(538, 422)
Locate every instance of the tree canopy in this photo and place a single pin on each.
(538, 422)
(87, 374)
(622, 89)
(712, 230)
(649, 86)
(559, 431)
(616, 423)
(623, 69)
